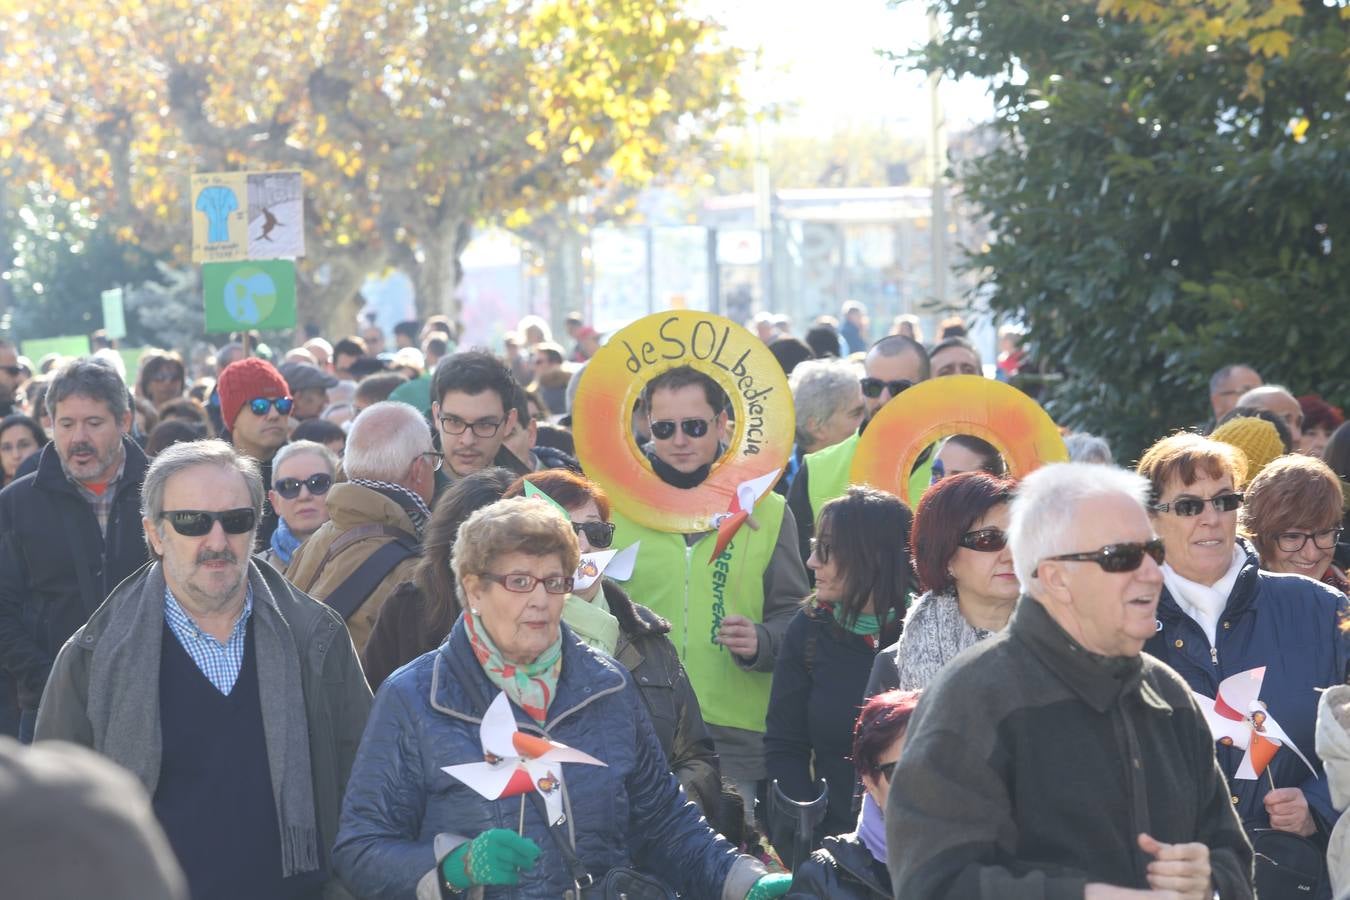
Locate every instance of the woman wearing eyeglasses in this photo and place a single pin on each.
(302, 473)
(1292, 515)
(966, 572)
(603, 616)
(410, 828)
(861, 560)
(1221, 614)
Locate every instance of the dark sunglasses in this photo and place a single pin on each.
(664, 429)
(599, 534)
(198, 522)
(1120, 557)
(872, 387)
(1194, 506)
(986, 540)
(822, 550)
(12, 371)
(259, 405)
(316, 484)
(888, 769)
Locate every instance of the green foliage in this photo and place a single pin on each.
(62, 262)
(1153, 216)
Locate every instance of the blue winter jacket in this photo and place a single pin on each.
(402, 813)
(1289, 624)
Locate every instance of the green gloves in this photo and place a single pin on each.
(494, 857)
(770, 886)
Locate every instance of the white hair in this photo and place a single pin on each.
(384, 440)
(818, 388)
(1088, 448)
(296, 448)
(1044, 515)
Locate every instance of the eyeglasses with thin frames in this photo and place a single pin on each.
(522, 583)
(1194, 506)
(433, 458)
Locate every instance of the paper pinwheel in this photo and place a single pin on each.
(747, 495)
(516, 763)
(1238, 719)
(618, 563)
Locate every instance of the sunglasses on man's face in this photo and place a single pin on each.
(872, 387)
(986, 540)
(260, 405)
(11, 371)
(198, 522)
(1120, 557)
(664, 429)
(317, 484)
(1194, 506)
(598, 534)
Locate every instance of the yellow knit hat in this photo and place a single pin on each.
(1256, 438)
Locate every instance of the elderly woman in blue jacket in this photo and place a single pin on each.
(409, 829)
(1221, 614)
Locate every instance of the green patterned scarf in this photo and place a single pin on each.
(592, 622)
(531, 686)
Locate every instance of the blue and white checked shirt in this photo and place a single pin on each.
(220, 663)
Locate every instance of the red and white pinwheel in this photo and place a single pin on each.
(516, 763)
(1238, 719)
(742, 505)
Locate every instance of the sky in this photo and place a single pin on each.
(820, 57)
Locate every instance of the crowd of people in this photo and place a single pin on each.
(336, 622)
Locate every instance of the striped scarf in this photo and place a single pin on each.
(530, 686)
(411, 504)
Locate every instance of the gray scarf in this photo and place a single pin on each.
(935, 631)
(124, 704)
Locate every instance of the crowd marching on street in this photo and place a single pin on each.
(593, 618)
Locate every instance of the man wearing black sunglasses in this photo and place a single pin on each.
(235, 699)
(892, 365)
(68, 532)
(256, 403)
(1061, 731)
(728, 617)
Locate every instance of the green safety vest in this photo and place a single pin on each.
(679, 583)
(829, 474)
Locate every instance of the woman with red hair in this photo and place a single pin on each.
(853, 866)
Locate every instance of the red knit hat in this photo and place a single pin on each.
(244, 380)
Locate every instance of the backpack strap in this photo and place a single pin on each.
(347, 597)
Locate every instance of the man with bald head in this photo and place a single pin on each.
(892, 365)
(1281, 402)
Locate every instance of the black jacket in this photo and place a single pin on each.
(819, 681)
(55, 567)
(842, 869)
(1031, 766)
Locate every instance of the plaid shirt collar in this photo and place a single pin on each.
(220, 663)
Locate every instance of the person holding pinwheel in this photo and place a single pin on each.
(567, 794)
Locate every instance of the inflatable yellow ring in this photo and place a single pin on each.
(612, 384)
(957, 404)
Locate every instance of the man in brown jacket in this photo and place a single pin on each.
(371, 542)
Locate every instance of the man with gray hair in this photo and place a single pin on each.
(829, 405)
(1280, 401)
(372, 540)
(68, 531)
(235, 699)
(1229, 383)
(1056, 759)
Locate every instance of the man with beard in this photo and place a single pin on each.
(68, 532)
(235, 699)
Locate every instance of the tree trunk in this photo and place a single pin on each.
(329, 309)
(440, 272)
